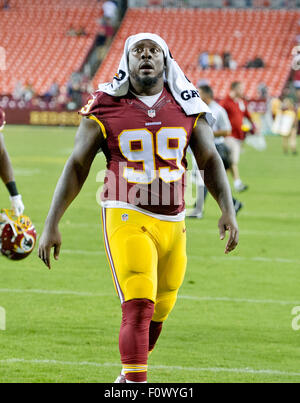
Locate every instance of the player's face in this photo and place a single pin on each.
(239, 91)
(146, 62)
(205, 98)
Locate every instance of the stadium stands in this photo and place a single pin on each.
(246, 34)
(38, 49)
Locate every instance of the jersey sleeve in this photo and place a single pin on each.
(92, 110)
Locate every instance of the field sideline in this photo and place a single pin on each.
(232, 321)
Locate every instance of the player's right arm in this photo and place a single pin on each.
(88, 141)
(6, 170)
(208, 160)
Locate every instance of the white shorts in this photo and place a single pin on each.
(235, 147)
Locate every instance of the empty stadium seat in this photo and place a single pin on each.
(38, 50)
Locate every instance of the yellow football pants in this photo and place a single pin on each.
(147, 257)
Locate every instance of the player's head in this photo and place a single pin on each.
(146, 63)
(206, 93)
(287, 104)
(237, 89)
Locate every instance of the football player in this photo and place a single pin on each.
(7, 174)
(221, 129)
(237, 111)
(143, 122)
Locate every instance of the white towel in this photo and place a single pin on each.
(184, 92)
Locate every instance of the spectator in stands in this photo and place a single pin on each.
(5, 5)
(71, 31)
(28, 92)
(236, 109)
(210, 60)
(101, 36)
(110, 12)
(228, 61)
(217, 62)
(63, 99)
(81, 31)
(285, 124)
(203, 60)
(18, 90)
(52, 92)
(256, 63)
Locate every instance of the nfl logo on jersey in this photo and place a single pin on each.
(125, 217)
(151, 113)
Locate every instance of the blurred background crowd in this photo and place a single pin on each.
(71, 46)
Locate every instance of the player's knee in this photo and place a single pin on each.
(137, 312)
(140, 286)
(172, 284)
(164, 306)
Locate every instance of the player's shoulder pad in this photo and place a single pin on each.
(97, 101)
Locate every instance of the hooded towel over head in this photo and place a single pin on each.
(184, 92)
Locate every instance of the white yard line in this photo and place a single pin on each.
(153, 367)
(54, 292)
(83, 252)
(244, 258)
(197, 257)
(239, 300)
(189, 297)
(248, 232)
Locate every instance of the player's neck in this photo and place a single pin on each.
(138, 89)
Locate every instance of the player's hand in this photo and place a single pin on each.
(17, 205)
(228, 223)
(253, 129)
(50, 238)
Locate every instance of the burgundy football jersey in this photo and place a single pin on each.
(2, 118)
(145, 149)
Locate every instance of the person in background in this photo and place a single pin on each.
(203, 60)
(297, 90)
(285, 124)
(237, 111)
(7, 174)
(221, 129)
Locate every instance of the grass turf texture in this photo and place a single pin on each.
(233, 314)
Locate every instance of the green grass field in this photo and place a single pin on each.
(232, 321)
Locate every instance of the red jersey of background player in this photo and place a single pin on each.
(145, 149)
(2, 118)
(236, 111)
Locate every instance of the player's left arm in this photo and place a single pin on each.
(215, 178)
